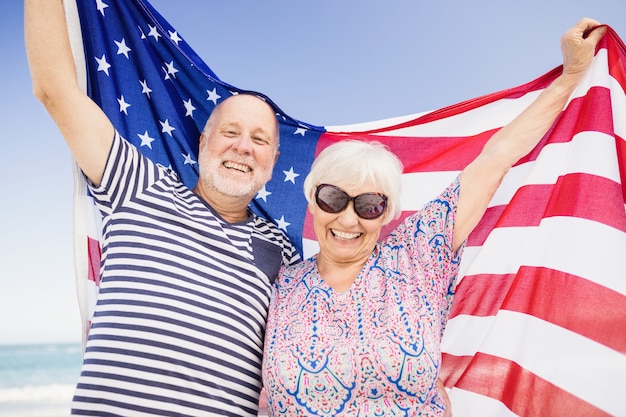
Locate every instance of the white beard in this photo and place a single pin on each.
(234, 183)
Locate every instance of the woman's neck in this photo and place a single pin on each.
(338, 276)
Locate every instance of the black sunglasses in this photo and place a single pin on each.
(333, 199)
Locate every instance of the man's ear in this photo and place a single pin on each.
(276, 158)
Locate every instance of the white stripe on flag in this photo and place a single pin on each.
(581, 155)
(597, 75)
(618, 104)
(469, 404)
(559, 243)
(472, 122)
(549, 351)
(421, 187)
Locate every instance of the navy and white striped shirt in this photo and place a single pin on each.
(179, 323)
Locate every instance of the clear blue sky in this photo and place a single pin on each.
(325, 62)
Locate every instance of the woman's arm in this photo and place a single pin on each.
(482, 177)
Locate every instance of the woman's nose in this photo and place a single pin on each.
(348, 216)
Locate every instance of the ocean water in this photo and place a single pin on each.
(38, 380)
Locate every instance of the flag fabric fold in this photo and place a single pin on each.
(538, 323)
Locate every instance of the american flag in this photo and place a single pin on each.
(538, 325)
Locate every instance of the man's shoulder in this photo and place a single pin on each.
(269, 229)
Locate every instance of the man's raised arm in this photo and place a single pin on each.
(85, 127)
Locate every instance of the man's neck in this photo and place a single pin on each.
(232, 209)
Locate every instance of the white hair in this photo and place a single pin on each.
(355, 163)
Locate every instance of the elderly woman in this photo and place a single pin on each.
(356, 329)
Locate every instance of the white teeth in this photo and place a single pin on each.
(238, 167)
(344, 235)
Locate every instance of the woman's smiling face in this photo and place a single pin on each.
(344, 237)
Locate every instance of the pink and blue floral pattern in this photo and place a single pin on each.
(375, 349)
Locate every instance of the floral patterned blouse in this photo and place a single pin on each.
(375, 349)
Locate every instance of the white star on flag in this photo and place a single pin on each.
(144, 88)
(103, 65)
(166, 128)
(146, 140)
(154, 33)
(263, 193)
(171, 70)
(122, 48)
(189, 107)
(188, 159)
(100, 5)
(174, 36)
(123, 105)
(281, 223)
(213, 96)
(290, 175)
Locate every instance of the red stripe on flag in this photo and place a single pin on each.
(570, 302)
(523, 392)
(421, 154)
(620, 144)
(575, 195)
(481, 294)
(563, 299)
(93, 260)
(588, 197)
(589, 113)
(616, 56)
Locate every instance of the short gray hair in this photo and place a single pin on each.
(355, 163)
(216, 110)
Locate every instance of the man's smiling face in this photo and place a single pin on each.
(239, 147)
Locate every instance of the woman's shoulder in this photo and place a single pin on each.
(290, 273)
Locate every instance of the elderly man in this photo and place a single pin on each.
(185, 278)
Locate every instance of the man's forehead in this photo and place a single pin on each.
(246, 100)
(250, 110)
